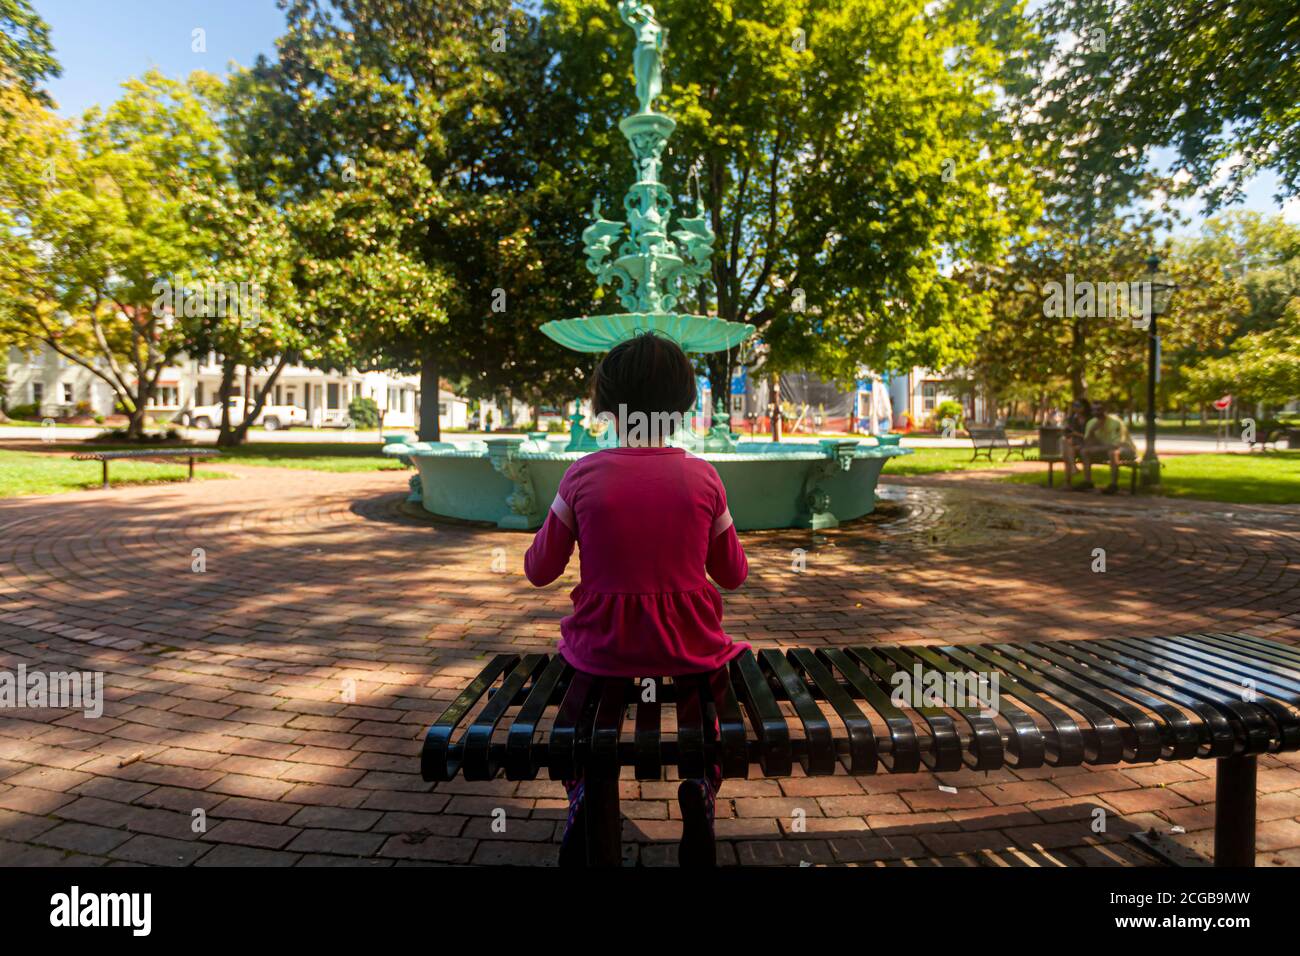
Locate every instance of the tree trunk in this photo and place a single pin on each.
(776, 407)
(429, 429)
(719, 366)
(251, 412)
(1078, 358)
(224, 437)
(135, 425)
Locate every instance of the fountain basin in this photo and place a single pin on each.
(512, 481)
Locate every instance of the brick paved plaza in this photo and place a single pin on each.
(226, 689)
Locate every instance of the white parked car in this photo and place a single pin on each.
(272, 417)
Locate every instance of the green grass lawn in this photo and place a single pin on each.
(927, 461)
(1259, 478)
(28, 423)
(310, 456)
(314, 456)
(34, 473)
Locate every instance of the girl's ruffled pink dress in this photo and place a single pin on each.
(649, 523)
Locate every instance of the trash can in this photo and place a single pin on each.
(1049, 441)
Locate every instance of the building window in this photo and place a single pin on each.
(67, 393)
(929, 396)
(38, 393)
(166, 396)
(332, 395)
(442, 409)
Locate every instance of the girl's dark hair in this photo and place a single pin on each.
(648, 373)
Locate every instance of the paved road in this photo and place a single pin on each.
(283, 690)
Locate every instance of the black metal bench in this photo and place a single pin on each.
(985, 440)
(1058, 703)
(147, 454)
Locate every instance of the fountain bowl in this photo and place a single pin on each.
(511, 482)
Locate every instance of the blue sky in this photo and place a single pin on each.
(100, 43)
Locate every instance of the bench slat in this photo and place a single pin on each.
(818, 754)
(476, 742)
(573, 725)
(649, 763)
(861, 739)
(731, 725)
(772, 736)
(523, 758)
(691, 763)
(902, 752)
(437, 760)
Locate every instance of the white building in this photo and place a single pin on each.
(57, 387)
(919, 391)
(54, 385)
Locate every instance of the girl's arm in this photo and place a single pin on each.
(551, 549)
(726, 562)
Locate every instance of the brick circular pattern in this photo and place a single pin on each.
(269, 708)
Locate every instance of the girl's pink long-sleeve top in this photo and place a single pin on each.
(648, 522)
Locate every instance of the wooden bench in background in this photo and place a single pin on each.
(147, 454)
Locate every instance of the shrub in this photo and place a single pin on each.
(364, 412)
(948, 409)
(25, 411)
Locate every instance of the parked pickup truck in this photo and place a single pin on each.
(272, 417)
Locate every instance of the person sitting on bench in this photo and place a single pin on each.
(650, 521)
(1072, 439)
(1106, 435)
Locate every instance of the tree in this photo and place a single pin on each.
(1261, 367)
(96, 222)
(1213, 79)
(249, 313)
(844, 168)
(1096, 346)
(416, 160)
(26, 54)
(1261, 255)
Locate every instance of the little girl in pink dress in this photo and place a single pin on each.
(650, 521)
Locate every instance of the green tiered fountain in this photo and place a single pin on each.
(511, 481)
(654, 270)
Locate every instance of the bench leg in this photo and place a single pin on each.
(1234, 811)
(191, 477)
(105, 480)
(604, 822)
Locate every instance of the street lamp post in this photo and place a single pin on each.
(1161, 291)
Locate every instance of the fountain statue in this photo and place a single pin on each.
(511, 481)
